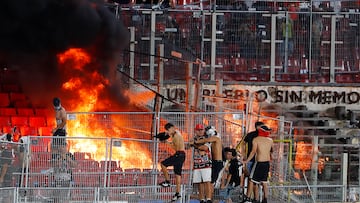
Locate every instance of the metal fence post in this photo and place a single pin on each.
(344, 175)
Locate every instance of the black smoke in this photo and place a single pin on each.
(33, 32)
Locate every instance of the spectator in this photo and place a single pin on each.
(59, 132)
(6, 158)
(317, 28)
(248, 148)
(287, 27)
(216, 153)
(262, 148)
(202, 165)
(233, 169)
(177, 160)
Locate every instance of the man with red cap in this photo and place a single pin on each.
(262, 147)
(202, 164)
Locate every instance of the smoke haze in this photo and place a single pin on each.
(33, 32)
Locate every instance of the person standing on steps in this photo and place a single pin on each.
(176, 160)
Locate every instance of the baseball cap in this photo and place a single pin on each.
(199, 127)
(265, 128)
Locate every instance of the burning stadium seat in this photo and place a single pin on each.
(111, 164)
(37, 121)
(20, 120)
(4, 100)
(79, 155)
(8, 111)
(25, 112)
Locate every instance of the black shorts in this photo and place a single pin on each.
(59, 138)
(177, 160)
(260, 172)
(217, 165)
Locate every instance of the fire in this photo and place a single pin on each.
(304, 155)
(87, 85)
(76, 56)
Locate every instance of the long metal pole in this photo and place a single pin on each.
(132, 57)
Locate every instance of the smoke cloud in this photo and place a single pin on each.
(33, 32)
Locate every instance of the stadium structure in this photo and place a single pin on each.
(124, 69)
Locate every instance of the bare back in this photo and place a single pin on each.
(263, 147)
(216, 148)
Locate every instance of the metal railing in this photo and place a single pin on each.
(265, 42)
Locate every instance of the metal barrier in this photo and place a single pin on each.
(299, 42)
(106, 169)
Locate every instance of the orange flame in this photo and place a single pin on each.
(86, 85)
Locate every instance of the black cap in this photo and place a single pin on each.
(265, 128)
(258, 123)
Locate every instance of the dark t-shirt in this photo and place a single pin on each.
(6, 158)
(234, 171)
(249, 139)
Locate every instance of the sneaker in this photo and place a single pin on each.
(176, 197)
(208, 201)
(202, 201)
(166, 183)
(246, 200)
(264, 200)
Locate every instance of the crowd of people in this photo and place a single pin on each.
(219, 172)
(233, 174)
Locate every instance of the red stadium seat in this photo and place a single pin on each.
(22, 104)
(240, 64)
(11, 88)
(28, 131)
(4, 100)
(8, 111)
(43, 112)
(20, 120)
(25, 111)
(5, 121)
(16, 96)
(45, 131)
(37, 121)
(7, 129)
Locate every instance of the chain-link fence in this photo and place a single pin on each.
(83, 168)
(298, 41)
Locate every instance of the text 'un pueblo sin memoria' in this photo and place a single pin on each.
(280, 96)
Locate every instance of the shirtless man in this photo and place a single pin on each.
(216, 152)
(177, 160)
(60, 129)
(262, 147)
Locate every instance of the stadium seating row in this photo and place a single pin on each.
(29, 131)
(9, 111)
(32, 121)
